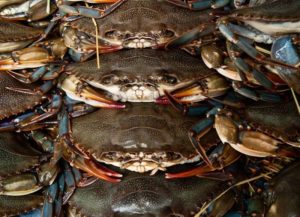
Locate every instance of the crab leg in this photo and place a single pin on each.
(211, 86)
(247, 47)
(200, 4)
(76, 159)
(284, 50)
(89, 12)
(247, 141)
(31, 120)
(196, 33)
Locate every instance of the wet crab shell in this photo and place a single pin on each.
(12, 206)
(142, 137)
(142, 195)
(12, 102)
(14, 146)
(143, 75)
(136, 24)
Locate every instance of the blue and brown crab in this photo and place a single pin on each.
(142, 137)
(142, 76)
(135, 24)
(24, 169)
(143, 195)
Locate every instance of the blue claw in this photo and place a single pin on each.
(256, 94)
(284, 50)
(50, 196)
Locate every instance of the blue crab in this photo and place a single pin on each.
(146, 137)
(142, 195)
(134, 24)
(142, 76)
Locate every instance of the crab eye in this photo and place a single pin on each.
(109, 79)
(170, 79)
(111, 33)
(168, 33)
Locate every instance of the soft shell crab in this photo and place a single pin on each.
(143, 76)
(142, 195)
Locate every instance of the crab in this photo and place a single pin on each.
(24, 170)
(29, 10)
(281, 188)
(146, 137)
(260, 129)
(135, 24)
(15, 36)
(142, 76)
(19, 104)
(142, 195)
(267, 22)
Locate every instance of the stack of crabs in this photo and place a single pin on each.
(149, 108)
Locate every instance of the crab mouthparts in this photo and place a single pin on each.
(139, 42)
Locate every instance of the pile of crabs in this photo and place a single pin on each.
(153, 108)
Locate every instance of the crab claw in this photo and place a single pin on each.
(249, 142)
(211, 86)
(221, 157)
(200, 171)
(98, 171)
(31, 57)
(200, 109)
(77, 90)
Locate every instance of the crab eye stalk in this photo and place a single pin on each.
(168, 33)
(170, 79)
(109, 79)
(111, 34)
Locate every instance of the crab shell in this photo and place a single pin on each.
(142, 75)
(12, 102)
(12, 206)
(142, 195)
(284, 193)
(14, 36)
(135, 24)
(142, 137)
